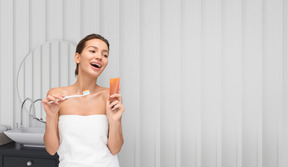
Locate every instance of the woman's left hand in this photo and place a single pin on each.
(114, 109)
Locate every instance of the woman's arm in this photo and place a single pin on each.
(51, 137)
(114, 112)
(115, 139)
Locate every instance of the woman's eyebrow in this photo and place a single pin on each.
(93, 47)
(97, 48)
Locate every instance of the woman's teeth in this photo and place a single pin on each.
(96, 65)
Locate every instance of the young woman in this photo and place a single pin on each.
(85, 131)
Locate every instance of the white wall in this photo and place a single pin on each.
(205, 83)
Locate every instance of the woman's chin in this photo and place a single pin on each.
(92, 74)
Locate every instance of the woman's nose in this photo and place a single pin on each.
(98, 56)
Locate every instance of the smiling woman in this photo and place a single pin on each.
(85, 130)
(91, 48)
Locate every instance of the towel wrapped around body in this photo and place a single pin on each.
(83, 142)
(3, 138)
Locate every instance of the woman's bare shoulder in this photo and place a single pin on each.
(60, 90)
(104, 92)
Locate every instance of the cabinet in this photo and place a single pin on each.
(10, 156)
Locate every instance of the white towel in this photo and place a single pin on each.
(83, 142)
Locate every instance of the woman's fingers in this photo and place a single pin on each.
(45, 101)
(115, 107)
(55, 98)
(119, 96)
(51, 98)
(117, 104)
(112, 105)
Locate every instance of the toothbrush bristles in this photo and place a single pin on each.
(86, 92)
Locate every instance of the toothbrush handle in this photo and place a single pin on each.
(53, 101)
(66, 97)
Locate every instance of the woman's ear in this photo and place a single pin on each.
(77, 58)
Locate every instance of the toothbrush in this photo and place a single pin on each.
(85, 92)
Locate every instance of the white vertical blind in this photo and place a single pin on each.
(191, 47)
(212, 82)
(232, 83)
(272, 81)
(150, 84)
(252, 83)
(91, 16)
(204, 82)
(72, 30)
(170, 74)
(130, 78)
(6, 61)
(22, 43)
(285, 82)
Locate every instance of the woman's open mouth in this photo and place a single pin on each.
(96, 66)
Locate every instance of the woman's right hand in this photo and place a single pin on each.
(52, 109)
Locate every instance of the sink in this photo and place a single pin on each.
(28, 137)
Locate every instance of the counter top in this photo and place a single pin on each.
(9, 153)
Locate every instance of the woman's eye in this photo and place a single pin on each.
(105, 56)
(92, 51)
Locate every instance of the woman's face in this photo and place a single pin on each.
(93, 58)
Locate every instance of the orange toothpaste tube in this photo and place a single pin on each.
(114, 88)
